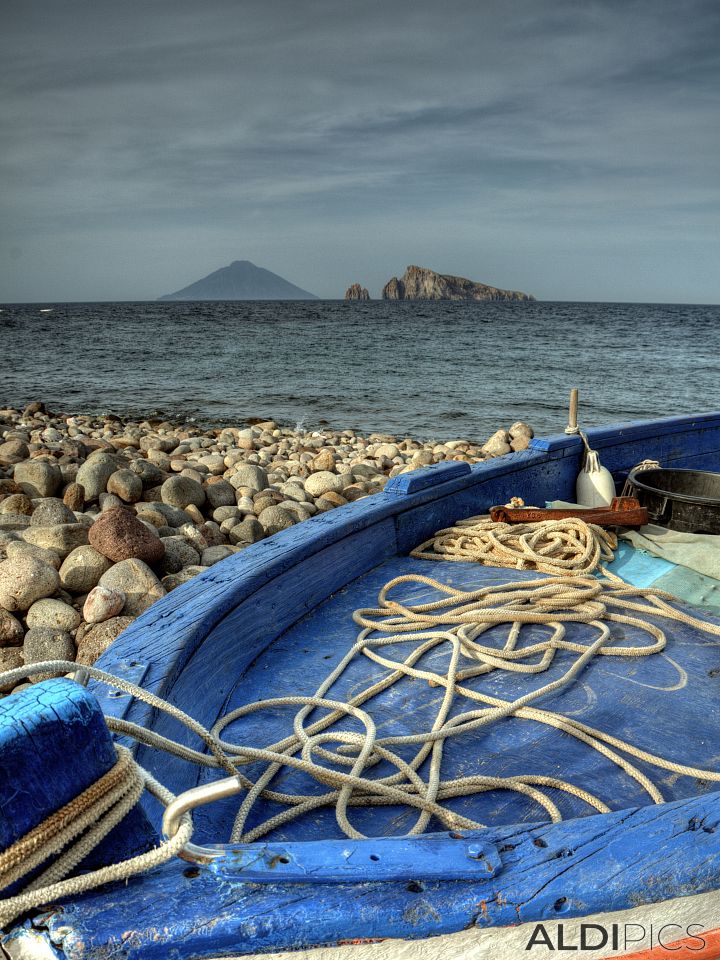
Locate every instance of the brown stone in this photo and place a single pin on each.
(118, 535)
(17, 503)
(10, 658)
(94, 639)
(74, 497)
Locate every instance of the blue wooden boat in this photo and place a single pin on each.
(274, 620)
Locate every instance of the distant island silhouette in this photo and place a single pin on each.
(241, 280)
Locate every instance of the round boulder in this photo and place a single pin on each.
(102, 603)
(94, 474)
(182, 491)
(60, 537)
(82, 568)
(23, 580)
(319, 483)
(94, 639)
(249, 475)
(51, 511)
(54, 614)
(47, 643)
(136, 580)
(37, 478)
(119, 535)
(11, 631)
(125, 484)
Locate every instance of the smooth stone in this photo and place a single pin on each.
(47, 643)
(20, 503)
(521, 429)
(178, 554)
(94, 474)
(11, 630)
(14, 521)
(174, 517)
(249, 475)
(74, 497)
(226, 513)
(221, 494)
(102, 603)
(274, 519)
(82, 568)
(194, 536)
(214, 555)
(497, 445)
(93, 639)
(62, 537)
(38, 478)
(520, 443)
(54, 614)
(249, 530)
(319, 483)
(13, 451)
(51, 511)
(10, 659)
(109, 501)
(336, 499)
(298, 511)
(136, 580)
(293, 491)
(21, 549)
(389, 450)
(182, 491)
(161, 460)
(150, 474)
(324, 461)
(23, 580)
(174, 580)
(192, 511)
(126, 485)
(119, 535)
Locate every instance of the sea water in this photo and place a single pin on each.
(428, 369)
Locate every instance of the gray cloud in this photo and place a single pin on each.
(570, 148)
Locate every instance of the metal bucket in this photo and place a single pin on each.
(686, 500)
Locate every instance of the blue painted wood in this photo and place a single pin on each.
(613, 693)
(441, 857)
(54, 743)
(431, 476)
(569, 869)
(642, 854)
(238, 639)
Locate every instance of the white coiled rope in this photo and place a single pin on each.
(342, 758)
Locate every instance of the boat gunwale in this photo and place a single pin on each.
(687, 825)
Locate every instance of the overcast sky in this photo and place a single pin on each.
(567, 148)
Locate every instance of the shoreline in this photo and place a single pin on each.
(101, 516)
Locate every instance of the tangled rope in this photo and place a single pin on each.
(341, 758)
(568, 547)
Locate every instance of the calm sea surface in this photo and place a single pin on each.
(433, 370)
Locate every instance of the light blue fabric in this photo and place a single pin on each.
(637, 567)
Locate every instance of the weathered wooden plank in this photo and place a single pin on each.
(431, 476)
(568, 869)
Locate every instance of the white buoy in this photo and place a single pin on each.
(595, 486)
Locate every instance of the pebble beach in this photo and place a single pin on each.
(102, 516)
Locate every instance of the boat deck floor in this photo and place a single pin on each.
(665, 703)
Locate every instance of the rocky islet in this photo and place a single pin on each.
(102, 516)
